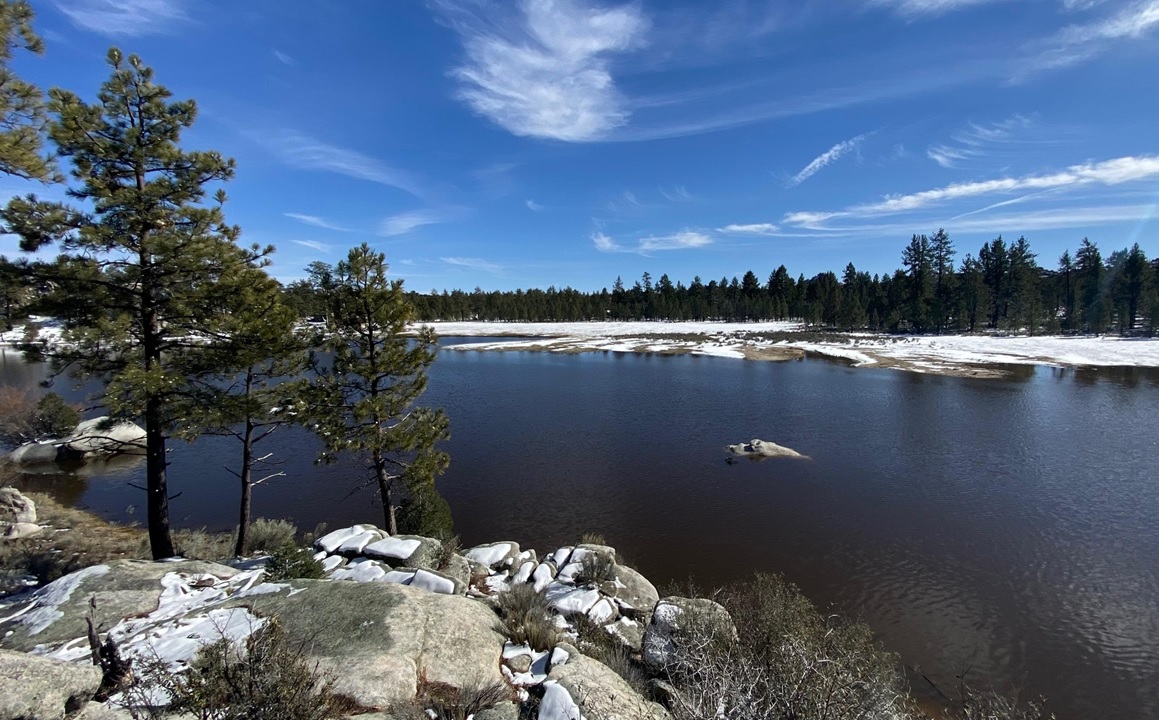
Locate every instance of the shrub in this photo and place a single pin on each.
(592, 539)
(441, 701)
(447, 550)
(202, 544)
(54, 417)
(790, 661)
(593, 640)
(595, 569)
(267, 535)
(426, 513)
(976, 704)
(23, 419)
(527, 617)
(290, 561)
(270, 679)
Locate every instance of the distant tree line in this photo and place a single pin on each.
(1001, 288)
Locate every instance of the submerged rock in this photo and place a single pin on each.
(97, 438)
(758, 449)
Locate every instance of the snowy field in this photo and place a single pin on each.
(949, 354)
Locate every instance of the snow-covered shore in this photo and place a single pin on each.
(946, 354)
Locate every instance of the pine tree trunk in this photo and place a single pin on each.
(243, 521)
(157, 486)
(384, 488)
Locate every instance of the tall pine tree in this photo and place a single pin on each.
(142, 262)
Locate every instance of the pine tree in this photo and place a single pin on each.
(918, 261)
(22, 113)
(974, 295)
(995, 263)
(141, 271)
(1090, 271)
(249, 388)
(1066, 272)
(942, 259)
(1134, 284)
(365, 392)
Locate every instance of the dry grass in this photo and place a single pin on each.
(527, 617)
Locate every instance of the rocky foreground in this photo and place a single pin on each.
(392, 614)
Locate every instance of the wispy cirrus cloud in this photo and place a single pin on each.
(313, 245)
(683, 240)
(316, 221)
(927, 7)
(307, 153)
(828, 157)
(404, 222)
(1081, 42)
(534, 206)
(474, 263)
(284, 58)
(750, 229)
(545, 73)
(1105, 174)
(677, 194)
(129, 18)
(975, 140)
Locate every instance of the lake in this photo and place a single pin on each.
(1008, 528)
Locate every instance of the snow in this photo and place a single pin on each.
(364, 571)
(524, 573)
(557, 703)
(356, 543)
(490, 555)
(942, 353)
(559, 557)
(568, 600)
(332, 541)
(602, 611)
(559, 656)
(542, 576)
(331, 562)
(401, 577)
(393, 548)
(435, 583)
(43, 611)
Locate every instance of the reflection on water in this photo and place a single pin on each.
(1005, 527)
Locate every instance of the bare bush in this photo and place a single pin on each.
(789, 662)
(527, 617)
(595, 569)
(266, 535)
(269, 678)
(442, 701)
(25, 419)
(977, 704)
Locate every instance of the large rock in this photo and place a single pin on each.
(636, 591)
(379, 638)
(36, 688)
(601, 693)
(759, 449)
(495, 555)
(97, 438)
(15, 507)
(56, 613)
(103, 436)
(413, 551)
(677, 620)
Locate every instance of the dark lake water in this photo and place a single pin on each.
(1005, 527)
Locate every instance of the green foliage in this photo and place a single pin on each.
(22, 115)
(145, 264)
(365, 393)
(269, 679)
(290, 561)
(527, 617)
(55, 417)
(22, 420)
(425, 512)
(448, 548)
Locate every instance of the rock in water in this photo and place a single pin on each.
(759, 449)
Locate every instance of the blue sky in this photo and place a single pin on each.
(524, 144)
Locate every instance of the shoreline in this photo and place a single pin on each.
(977, 356)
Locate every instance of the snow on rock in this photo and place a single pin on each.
(543, 575)
(603, 611)
(764, 449)
(492, 554)
(332, 541)
(434, 582)
(392, 548)
(557, 703)
(360, 570)
(331, 562)
(524, 573)
(42, 612)
(354, 544)
(568, 600)
(560, 556)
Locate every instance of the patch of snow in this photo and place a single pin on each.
(602, 611)
(356, 543)
(365, 571)
(393, 548)
(43, 611)
(559, 656)
(557, 703)
(542, 576)
(432, 582)
(567, 600)
(331, 562)
(401, 577)
(524, 573)
(490, 555)
(332, 541)
(559, 557)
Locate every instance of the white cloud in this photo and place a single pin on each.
(473, 264)
(284, 58)
(315, 221)
(928, 7)
(1078, 43)
(750, 229)
(1006, 223)
(548, 75)
(829, 156)
(313, 245)
(683, 240)
(534, 206)
(307, 153)
(677, 194)
(403, 223)
(129, 18)
(976, 140)
(1106, 173)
